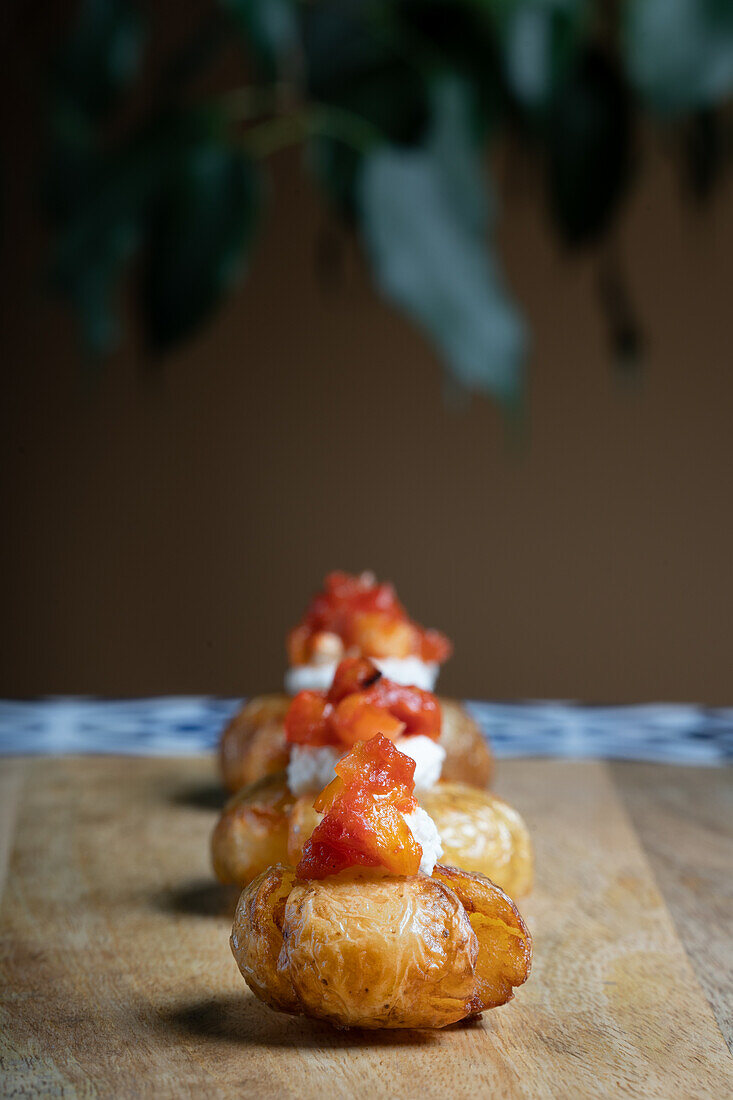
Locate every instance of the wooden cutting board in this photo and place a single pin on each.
(116, 977)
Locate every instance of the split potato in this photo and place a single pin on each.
(253, 744)
(264, 824)
(362, 950)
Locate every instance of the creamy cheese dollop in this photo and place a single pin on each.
(410, 671)
(428, 756)
(425, 832)
(310, 767)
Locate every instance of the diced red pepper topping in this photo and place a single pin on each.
(363, 806)
(360, 704)
(351, 675)
(369, 620)
(306, 720)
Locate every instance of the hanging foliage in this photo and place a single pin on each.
(395, 103)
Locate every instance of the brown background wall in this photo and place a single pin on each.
(163, 529)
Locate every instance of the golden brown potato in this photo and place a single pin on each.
(505, 945)
(257, 938)
(384, 952)
(359, 950)
(303, 820)
(253, 744)
(468, 755)
(480, 832)
(252, 832)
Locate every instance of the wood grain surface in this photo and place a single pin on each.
(116, 977)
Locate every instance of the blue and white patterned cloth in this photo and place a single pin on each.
(670, 733)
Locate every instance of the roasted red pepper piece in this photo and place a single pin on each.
(364, 807)
(366, 616)
(361, 703)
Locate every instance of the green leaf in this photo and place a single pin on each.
(459, 37)
(100, 57)
(98, 208)
(199, 229)
(72, 164)
(393, 99)
(86, 270)
(336, 165)
(539, 42)
(353, 63)
(270, 27)
(90, 286)
(424, 218)
(102, 203)
(679, 53)
(588, 148)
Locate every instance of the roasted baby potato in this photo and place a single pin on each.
(468, 755)
(504, 943)
(264, 824)
(481, 832)
(253, 744)
(252, 832)
(303, 820)
(257, 938)
(360, 950)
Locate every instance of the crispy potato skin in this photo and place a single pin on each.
(481, 832)
(257, 939)
(360, 950)
(252, 832)
(253, 744)
(303, 820)
(468, 755)
(505, 945)
(265, 824)
(389, 952)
